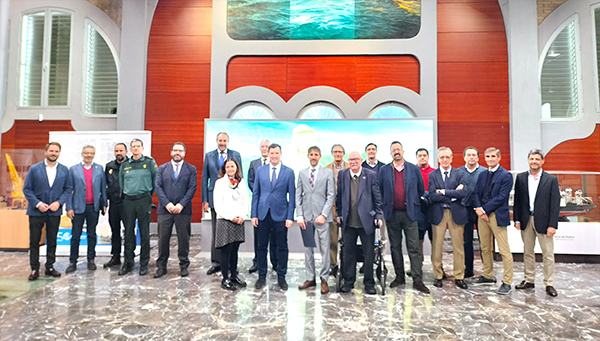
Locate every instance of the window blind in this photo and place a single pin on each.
(102, 81)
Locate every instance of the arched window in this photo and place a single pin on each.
(391, 110)
(320, 111)
(101, 75)
(559, 76)
(252, 111)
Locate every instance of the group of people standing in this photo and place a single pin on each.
(355, 197)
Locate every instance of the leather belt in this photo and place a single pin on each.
(135, 197)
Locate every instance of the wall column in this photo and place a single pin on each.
(4, 16)
(520, 20)
(136, 23)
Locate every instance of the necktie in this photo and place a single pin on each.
(273, 177)
(445, 176)
(264, 161)
(312, 178)
(355, 177)
(176, 171)
(221, 159)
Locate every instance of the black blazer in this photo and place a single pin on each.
(453, 197)
(369, 198)
(176, 192)
(547, 202)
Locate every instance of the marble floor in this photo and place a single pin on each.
(100, 305)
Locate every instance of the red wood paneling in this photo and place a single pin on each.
(32, 134)
(576, 155)
(472, 78)
(178, 81)
(355, 75)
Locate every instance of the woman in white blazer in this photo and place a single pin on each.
(230, 198)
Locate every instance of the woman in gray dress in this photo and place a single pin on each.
(230, 198)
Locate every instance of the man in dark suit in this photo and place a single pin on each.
(88, 200)
(47, 187)
(401, 187)
(358, 205)
(446, 191)
(261, 161)
(176, 183)
(490, 202)
(273, 213)
(210, 174)
(536, 212)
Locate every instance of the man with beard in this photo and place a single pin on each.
(47, 187)
(115, 210)
(176, 183)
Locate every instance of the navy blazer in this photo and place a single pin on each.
(265, 198)
(252, 171)
(413, 189)
(369, 198)
(501, 186)
(546, 207)
(37, 189)
(77, 203)
(180, 191)
(210, 172)
(453, 197)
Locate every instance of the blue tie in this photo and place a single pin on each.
(221, 159)
(273, 177)
(175, 171)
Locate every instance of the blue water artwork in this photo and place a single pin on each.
(323, 19)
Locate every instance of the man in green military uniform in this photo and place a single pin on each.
(136, 178)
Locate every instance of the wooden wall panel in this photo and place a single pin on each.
(355, 75)
(472, 78)
(178, 81)
(32, 134)
(576, 155)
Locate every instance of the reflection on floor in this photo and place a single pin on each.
(101, 305)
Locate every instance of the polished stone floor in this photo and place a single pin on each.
(101, 305)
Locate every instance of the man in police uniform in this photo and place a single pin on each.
(136, 178)
(115, 210)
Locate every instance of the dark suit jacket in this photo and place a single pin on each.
(252, 171)
(36, 189)
(79, 188)
(210, 172)
(501, 186)
(547, 202)
(176, 192)
(369, 198)
(265, 198)
(436, 210)
(375, 169)
(413, 189)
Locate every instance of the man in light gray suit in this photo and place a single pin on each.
(315, 195)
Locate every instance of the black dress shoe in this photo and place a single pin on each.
(143, 270)
(71, 268)
(551, 291)
(334, 271)
(160, 272)
(370, 290)
(420, 286)
(461, 284)
(524, 285)
(34, 275)
(227, 284)
(125, 269)
(213, 269)
(253, 268)
(238, 282)
(408, 273)
(260, 283)
(52, 272)
(346, 288)
(444, 275)
(362, 269)
(282, 284)
(91, 265)
(398, 282)
(184, 272)
(114, 261)
(438, 283)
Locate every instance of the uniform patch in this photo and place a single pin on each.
(110, 171)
